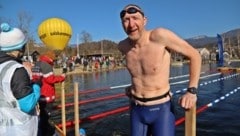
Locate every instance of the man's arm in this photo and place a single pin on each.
(26, 94)
(177, 44)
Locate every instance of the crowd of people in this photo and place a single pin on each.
(88, 63)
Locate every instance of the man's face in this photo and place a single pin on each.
(133, 22)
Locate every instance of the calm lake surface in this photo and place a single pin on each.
(220, 119)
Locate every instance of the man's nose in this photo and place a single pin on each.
(131, 22)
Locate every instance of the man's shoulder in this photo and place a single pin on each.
(158, 33)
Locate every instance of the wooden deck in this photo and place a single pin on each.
(228, 69)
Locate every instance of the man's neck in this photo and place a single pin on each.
(140, 42)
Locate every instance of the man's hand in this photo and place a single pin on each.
(63, 75)
(188, 100)
(28, 66)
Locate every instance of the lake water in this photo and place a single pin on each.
(220, 119)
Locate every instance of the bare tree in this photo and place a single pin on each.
(24, 21)
(85, 37)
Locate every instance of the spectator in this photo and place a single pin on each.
(47, 97)
(18, 96)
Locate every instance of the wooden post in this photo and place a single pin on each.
(63, 109)
(59, 131)
(190, 122)
(76, 109)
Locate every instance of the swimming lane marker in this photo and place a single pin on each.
(203, 108)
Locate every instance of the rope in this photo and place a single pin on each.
(93, 100)
(123, 95)
(126, 85)
(208, 82)
(187, 75)
(177, 122)
(203, 108)
(97, 116)
(184, 81)
(126, 108)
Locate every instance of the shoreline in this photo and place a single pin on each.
(79, 70)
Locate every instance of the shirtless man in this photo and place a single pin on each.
(148, 62)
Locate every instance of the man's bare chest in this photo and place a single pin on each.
(144, 63)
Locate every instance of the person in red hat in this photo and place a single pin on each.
(47, 98)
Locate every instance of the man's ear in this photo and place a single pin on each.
(145, 21)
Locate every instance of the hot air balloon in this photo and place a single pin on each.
(55, 33)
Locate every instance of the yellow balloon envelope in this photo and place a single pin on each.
(55, 33)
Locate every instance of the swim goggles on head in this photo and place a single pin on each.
(130, 10)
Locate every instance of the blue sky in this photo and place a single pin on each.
(100, 18)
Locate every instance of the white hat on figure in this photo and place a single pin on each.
(11, 38)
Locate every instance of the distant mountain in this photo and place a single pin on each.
(203, 40)
(232, 33)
